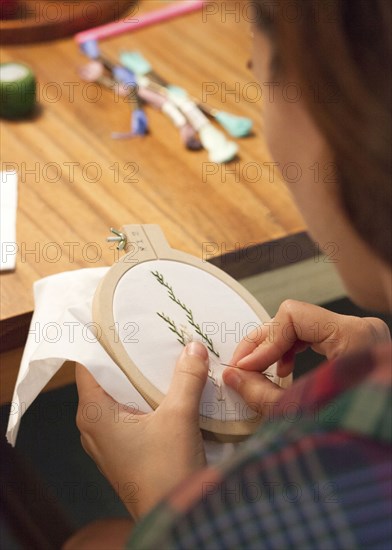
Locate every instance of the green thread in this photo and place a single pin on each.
(189, 314)
(172, 326)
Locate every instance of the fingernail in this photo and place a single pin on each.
(246, 359)
(243, 361)
(197, 348)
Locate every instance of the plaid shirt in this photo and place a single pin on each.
(317, 474)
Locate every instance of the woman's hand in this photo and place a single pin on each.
(296, 326)
(145, 455)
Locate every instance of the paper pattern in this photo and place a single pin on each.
(8, 206)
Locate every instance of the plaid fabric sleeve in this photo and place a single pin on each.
(317, 475)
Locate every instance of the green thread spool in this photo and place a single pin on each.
(17, 90)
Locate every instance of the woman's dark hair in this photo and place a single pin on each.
(339, 51)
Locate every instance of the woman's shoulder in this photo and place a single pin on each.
(322, 455)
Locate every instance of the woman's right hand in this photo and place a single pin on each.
(295, 327)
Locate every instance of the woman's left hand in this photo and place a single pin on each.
(144, 456)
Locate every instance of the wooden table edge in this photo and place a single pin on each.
(241, 263)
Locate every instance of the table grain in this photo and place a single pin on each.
(75, 181)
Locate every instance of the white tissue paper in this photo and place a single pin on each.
(61, 330)
(8, 205)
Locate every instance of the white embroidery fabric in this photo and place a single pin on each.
(62, 329)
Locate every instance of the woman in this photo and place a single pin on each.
(321, 480)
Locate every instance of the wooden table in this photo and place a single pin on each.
(75, 181)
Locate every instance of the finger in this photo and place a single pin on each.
(265, 355)
(296, 321)
(247, 345)
(85, 381)
(87, 386)
(283, 335)
(131, 409)
(287, 362)
(253, 387)
(285, 366)
(189, 379)
(89, 389)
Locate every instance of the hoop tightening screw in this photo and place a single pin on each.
(119, 238)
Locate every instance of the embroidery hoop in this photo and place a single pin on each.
(145, 243)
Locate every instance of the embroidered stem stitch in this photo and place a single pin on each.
(172, 326)
(189, 314)
(183, 333)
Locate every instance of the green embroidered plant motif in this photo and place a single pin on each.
(181, 333)
(184, 334)
(182, 337)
